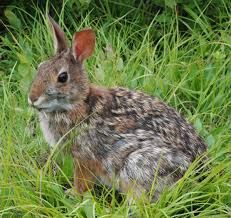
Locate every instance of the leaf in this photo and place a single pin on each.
(89, 207)
(109, 52)
(24, 85)
(23, 58)
(218, 55)
(13, 20)
(210, 141)
(25, 55)
(99, 72)
(2, 73)
(198, 125)
(120, 64)
(170, 3)
(225, 37)
(24, 70)
(209, 72)
(84, 2)
(25, 73)
(164, 18)
(134, 84)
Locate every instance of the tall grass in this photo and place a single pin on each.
(191, 71)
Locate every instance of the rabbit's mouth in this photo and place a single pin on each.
(54, 108)
(48, 105)
(51, 109)
(44, 109)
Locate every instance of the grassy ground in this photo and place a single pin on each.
(190, 71)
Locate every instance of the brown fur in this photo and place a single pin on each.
(125, 124)
(86, 172)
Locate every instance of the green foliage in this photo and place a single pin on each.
(177, 50)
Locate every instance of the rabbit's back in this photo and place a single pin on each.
(140, 119)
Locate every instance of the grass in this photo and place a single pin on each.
(190, 71)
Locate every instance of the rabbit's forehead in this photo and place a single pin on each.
(54, 65)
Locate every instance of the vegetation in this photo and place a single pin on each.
(180, 53)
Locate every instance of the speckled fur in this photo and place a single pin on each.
(119, 136)
(131, 136)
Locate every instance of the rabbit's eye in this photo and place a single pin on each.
(62, 78)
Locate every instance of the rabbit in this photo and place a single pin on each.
(122, 138)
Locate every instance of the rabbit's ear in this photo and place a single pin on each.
(83, 44)
(60, 42)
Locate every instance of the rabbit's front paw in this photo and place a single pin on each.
(82, 186)
(83, 178)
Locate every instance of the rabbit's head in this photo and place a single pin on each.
(61, 81)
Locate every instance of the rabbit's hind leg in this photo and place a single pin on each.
(140, 176)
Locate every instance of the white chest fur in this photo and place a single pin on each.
(49, 135)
